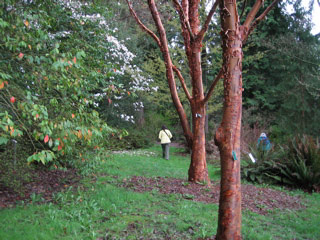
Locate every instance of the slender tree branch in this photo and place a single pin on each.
(213, 85)
(183, 18)
(183, 84)
(243, 8)
(260, 18)
(252, 14)
(141, 25)
(169, 72)
(206, 24)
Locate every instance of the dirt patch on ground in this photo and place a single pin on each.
(258, 200)
(43, 183)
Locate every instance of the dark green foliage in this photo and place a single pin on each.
(281, 72)
(302, 168)
(266, 168)
(136, 138)
(14, 171)
(297, 165)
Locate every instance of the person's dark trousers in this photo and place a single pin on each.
(165, 150)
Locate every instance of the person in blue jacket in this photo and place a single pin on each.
(263, 142)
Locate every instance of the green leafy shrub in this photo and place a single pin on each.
(266, 169)
(296, 164)
(133, 139)
(302, 168)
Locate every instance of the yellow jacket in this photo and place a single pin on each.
(165, 136)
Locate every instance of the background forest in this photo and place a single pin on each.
(79, 79)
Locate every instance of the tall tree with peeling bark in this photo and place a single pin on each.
(234, 35)
(227, 137)
(193, 36)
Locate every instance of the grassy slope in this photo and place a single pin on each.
(100, 208)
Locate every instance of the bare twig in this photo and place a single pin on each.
(142, 26)
(243, 8)
(213, 85)
(209, 17)
(183, 84)
(183, 18)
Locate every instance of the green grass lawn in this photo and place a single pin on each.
(99, 209)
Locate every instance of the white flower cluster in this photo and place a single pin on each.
(138, 105)
(127, 118)
(121, 56)
(118, 54)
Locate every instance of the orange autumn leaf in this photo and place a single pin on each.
(89, 132)
(46, 139)
(74, 60)
(72, 115)
(26, 22)
(1, 85)
(79, 134)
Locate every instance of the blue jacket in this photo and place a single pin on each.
(263, 144)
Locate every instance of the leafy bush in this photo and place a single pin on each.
(133, 139)
(266, 168)
(297, 164)
(302, 168)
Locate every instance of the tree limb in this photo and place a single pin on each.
(169, 72)
(183, 18)
(252, 14)
(206, 24)
(183, 84)
(260, 18)
(142, 26)
(213, 85)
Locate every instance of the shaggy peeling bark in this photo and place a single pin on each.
(227, 136)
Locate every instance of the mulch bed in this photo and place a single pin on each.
(44, 182)
(258, 200)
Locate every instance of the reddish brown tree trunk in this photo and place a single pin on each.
(228, 134)
(198, 171)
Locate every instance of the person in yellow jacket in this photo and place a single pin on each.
(165, 136)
